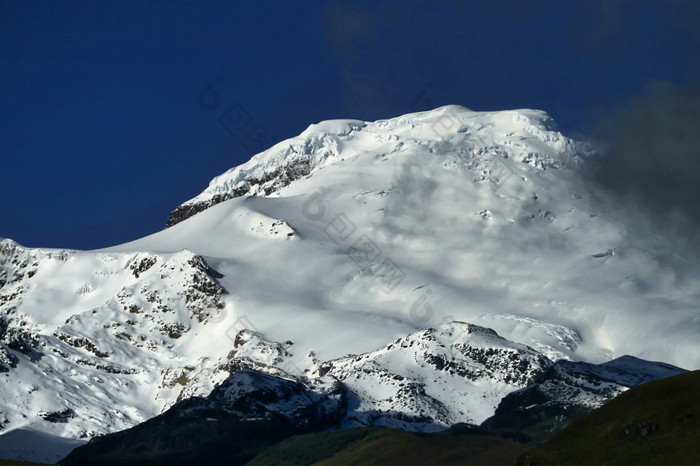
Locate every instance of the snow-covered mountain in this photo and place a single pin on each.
(426, 381)
(404, 241)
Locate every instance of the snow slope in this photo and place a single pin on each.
(342, 240)
(459, 215)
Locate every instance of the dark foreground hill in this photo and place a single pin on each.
(375, 446)
(654, 423)
(18, 463)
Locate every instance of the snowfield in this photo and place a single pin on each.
(338, 242)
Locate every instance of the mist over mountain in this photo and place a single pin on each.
(650, 162)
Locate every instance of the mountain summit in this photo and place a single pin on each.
(322, 144)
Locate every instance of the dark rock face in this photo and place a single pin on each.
(272, 181)
(184, 212)
(247, 413)
(58, 416)
(7, 359)
(14, 339)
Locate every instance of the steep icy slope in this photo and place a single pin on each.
(346, 238)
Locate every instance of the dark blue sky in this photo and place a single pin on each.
(102, 134)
